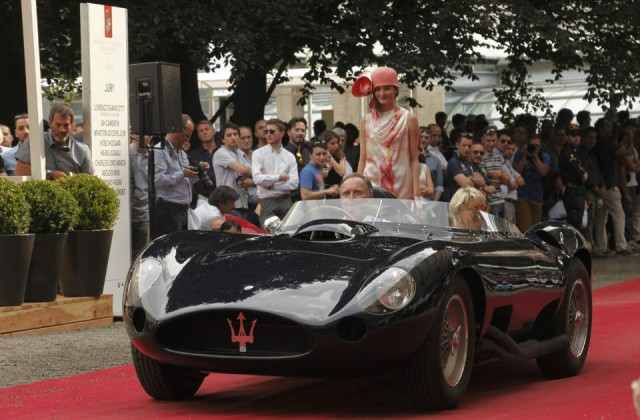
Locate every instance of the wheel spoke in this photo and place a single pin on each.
(454, 341)
(578, 318)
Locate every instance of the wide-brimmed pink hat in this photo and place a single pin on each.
(384, 76)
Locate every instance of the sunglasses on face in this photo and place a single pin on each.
(269, 131)
(477, 152)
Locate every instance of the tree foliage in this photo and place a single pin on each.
(599, 37)
(430, 42)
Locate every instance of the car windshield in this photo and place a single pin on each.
(387, 212)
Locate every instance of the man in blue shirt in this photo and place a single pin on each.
(312, 178)
(534, 164)
(173, 181)
(460, 171)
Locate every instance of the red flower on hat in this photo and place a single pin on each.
(362, 86)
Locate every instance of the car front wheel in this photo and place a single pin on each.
(165, 382)
(440, 371)
(574, 320)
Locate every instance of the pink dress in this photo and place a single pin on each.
(388, 163)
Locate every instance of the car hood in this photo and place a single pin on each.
(310, 281)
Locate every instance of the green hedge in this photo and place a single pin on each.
(97, 200)
(15, 214)
(53, 209)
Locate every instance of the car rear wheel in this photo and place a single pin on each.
(574, 320)
(440, 371)
(165, 382)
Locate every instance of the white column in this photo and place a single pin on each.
(34, 93)
(310, 116)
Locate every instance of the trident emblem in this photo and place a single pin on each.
(241, 337)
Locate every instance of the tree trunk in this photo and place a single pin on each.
(13, 83)
(249, 101)
(190, 95)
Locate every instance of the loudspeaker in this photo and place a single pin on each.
(156, 96)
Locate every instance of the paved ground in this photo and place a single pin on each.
(25, 359)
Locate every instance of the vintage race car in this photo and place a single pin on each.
(348, 287)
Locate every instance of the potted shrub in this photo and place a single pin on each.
(15, 244)
(54, 212)
(89, 244)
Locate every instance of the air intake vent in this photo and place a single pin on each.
(212, 333)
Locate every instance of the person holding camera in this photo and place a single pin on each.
(173, 178)
(533, 164)
(575, 177)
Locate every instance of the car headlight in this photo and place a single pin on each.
(144, 274)
(389, 292)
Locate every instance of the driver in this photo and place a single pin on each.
(355, 186)
(465, 207)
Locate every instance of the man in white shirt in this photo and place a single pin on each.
(275, 172)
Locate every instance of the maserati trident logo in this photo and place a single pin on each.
(241, 336)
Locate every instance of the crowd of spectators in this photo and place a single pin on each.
(564, 169)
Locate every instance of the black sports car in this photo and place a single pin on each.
(345, 287)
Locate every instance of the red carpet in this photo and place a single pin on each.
(498, 390)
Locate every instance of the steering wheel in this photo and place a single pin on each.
(396, 214)
(327, 211)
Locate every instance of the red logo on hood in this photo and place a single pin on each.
(241, 336)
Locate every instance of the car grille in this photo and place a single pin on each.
(209, 333)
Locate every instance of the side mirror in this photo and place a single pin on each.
(272, 224)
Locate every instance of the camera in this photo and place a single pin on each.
(532, 148)
(202, 174)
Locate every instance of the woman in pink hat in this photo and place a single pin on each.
(389, 150)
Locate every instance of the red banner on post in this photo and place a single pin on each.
(108, 22)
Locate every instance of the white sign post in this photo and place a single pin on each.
(105, 102)
(34, 91)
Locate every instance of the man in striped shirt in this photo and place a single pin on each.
(492, 165)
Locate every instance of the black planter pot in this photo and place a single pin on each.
(85, 262)
(46, 267)
(15, 257)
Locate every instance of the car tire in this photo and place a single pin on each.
(165, 382)
(438, 373)
(574, 319)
